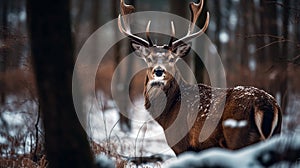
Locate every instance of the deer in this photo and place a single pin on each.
(248, 115)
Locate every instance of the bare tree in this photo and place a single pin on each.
(276, 53)
(52, 51)
(3, 49)
(283, 87)
(198, 64)
(123, 107)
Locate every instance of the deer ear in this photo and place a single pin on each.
(140, 50)
(182, 50)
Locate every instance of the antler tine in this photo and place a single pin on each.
(196, 10)
(123, 23)
(126, 9)
(173, 29)
(127, 33)
(195, 13)
(148, 33)
(173, 34)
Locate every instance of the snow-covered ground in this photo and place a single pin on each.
(17, 118)
(145, 139)
(259, 155)
(291, 120)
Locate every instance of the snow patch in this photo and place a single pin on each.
(145, 139)
(13, 118)
(258, 155)
(234, 123)
(104, 161)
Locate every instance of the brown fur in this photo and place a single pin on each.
(241, 104)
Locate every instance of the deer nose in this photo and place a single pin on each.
(159, 72)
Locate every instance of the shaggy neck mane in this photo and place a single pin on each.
(153, 99)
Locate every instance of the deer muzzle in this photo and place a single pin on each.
(158, 74)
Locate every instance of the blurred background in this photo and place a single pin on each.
(258, 42)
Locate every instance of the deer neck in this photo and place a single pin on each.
(162, 101)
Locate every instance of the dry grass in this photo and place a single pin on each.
(23, 161)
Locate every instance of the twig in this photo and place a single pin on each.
(295, 60)
(135, 145)
(110, 132)
(267, 45)
(105, 129)
(35, 158)
(262, 35)
(282, 5)
(280, 39)
(89, 120)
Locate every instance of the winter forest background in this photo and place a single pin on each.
(258, 42)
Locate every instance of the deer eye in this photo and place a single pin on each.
(166, 47)
(148, 59)
(172, 59)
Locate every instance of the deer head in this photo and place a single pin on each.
(161, 59)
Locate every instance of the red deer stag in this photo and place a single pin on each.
(249, 115)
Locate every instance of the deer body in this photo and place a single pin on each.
(254, 107)
(249, 115)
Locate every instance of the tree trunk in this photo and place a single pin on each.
(125, 122)
(179, 7)
(3, 49)
(245, 29)
(95, 15)
(283, 88)
(52, 51)
(271, 28)
(198, 64)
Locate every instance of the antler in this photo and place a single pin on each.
(123, 23)
(195, 12)
(173, 34)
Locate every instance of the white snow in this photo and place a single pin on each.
(146, 137)
(239, 88)
(18, 117)
(246, 157)
(104, 161)
(14, 118)
(232, 123)
(224, 37)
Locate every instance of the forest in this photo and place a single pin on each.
(71, 87)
